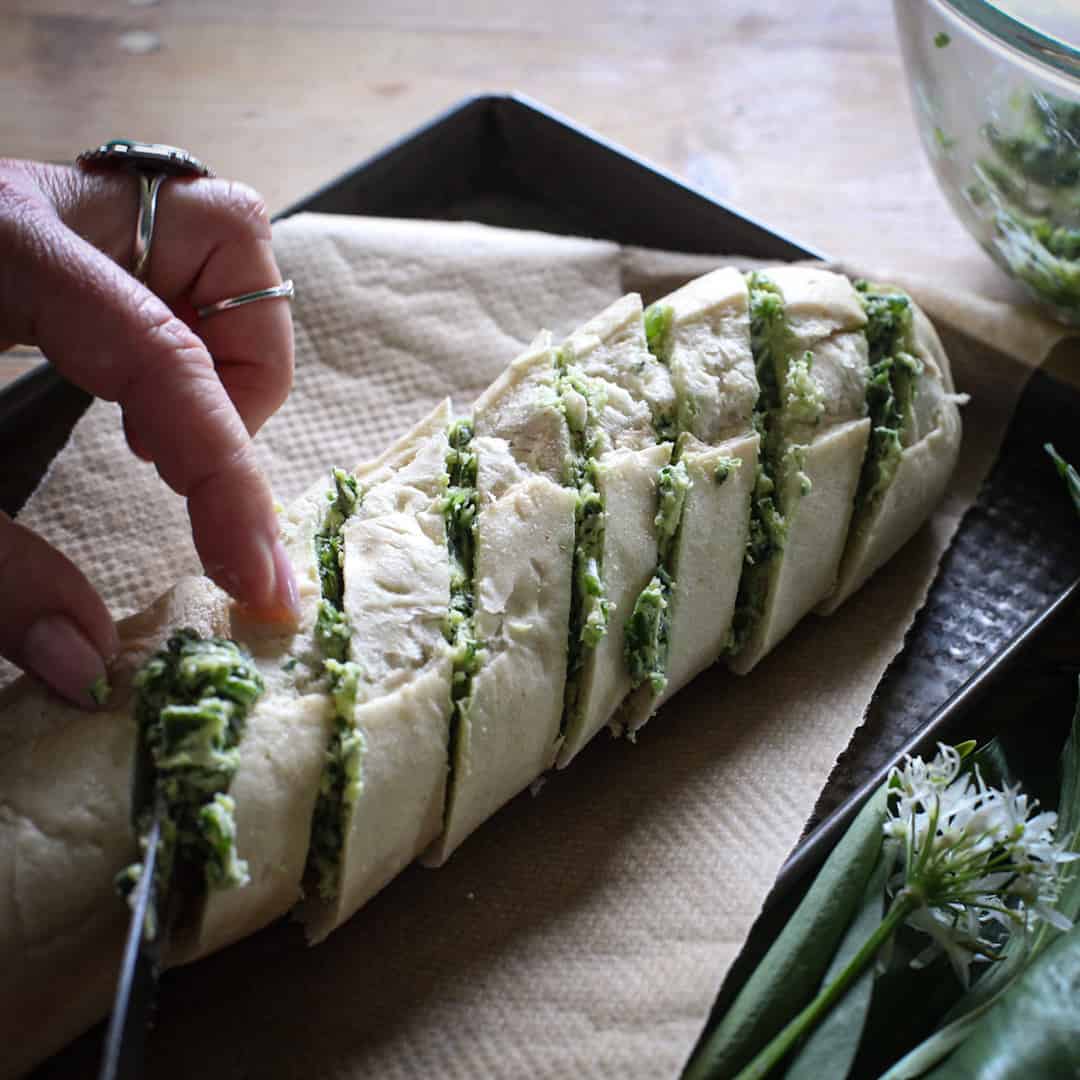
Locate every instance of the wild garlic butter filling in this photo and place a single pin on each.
(341, 779)
(192, 700)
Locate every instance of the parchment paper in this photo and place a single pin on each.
(585, 929)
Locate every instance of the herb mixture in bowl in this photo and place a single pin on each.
(996, 94)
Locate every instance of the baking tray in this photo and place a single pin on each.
(507, 161)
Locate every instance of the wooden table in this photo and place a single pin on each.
(801, 121)
(797, 114)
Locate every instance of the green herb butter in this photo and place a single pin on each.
(725, 466)
(343, 497)
(581, 399)
(658, 322)
(332, 630)
(192, 700)
(673, 484)
(217, 823)
(890, 389)
(783, 377)
(1028, 189)
(99, 690)
(803, 398)
(340, 782)
(646, 641)
(647, 634)
(459, 629)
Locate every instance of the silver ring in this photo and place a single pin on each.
(152, 163)
(149, 186)
(284, 291)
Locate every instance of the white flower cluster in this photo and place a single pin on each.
(971, 857)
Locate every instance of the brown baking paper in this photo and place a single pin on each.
(585, 929)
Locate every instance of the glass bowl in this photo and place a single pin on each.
(995, 89)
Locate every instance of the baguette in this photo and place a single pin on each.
(613, 515)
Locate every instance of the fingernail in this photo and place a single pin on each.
(285, 580)
(58, 652)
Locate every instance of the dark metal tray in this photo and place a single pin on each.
(503, 160)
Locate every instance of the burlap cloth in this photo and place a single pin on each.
(585, 929)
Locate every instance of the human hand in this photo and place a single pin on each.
(192, 392)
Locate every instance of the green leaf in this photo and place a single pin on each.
(907, 1005)
(965, 1014)
(792, 970)
(1069, 800)
(1033, 1029)
(1068, 826)
(935, 1049)
(992, 762)
(1068, 474)
(832, 1046)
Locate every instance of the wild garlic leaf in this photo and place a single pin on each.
(934, 1050)
(906, 1010)
(832, 1046)
(1069, 816)
(791, 972)
(1067, 473)
(1034, 1029)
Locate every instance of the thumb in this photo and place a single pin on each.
(54, 624)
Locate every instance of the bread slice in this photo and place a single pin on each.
(396, 596)
(522, 408)
(635, 395)
(817, 431)
(508, 733)
(702, 331)
(627, 405)
(706, 562)
(704, 338)
(930, 444)
(817, 523)
(626, 480)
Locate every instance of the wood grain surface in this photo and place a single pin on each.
(797, 114)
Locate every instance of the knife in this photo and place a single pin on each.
(136, 988)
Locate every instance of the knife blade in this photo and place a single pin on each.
(136, 988)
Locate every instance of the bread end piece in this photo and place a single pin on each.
(65, 832)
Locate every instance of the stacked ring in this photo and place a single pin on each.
(153, 164)
(284, 291)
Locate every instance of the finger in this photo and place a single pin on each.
(252, 345)
(110, 335)
(212, 240)
(54, 624)
(134, 443)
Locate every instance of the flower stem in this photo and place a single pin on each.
(804, 1022)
